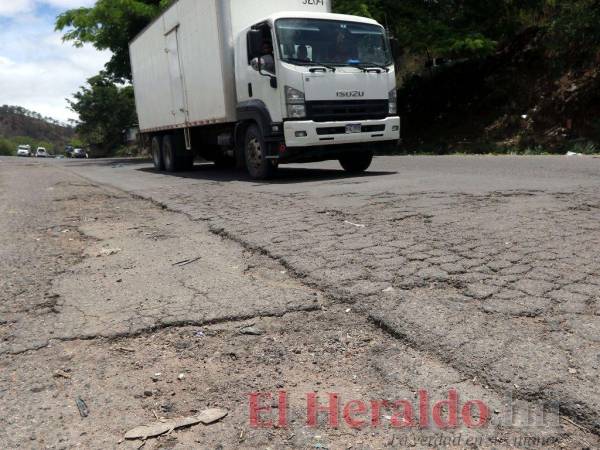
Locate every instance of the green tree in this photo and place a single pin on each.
(110, 25)
(574, 27)
(105, 109)
(6, 147)
(365, 8)
(465, 28)
(456, 28)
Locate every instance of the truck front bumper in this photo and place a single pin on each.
(309, 133)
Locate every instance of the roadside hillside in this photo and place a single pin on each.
(520, 99)
(19, 125)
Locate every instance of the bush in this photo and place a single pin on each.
(585, 148)
(6, 147)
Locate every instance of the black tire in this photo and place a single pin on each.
(175, 156)
(157, 153)
(255, 153)
(356, 162)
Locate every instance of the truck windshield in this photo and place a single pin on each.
(329, 42)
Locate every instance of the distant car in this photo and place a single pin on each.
(24, 150)
(69, 151)
(79, 153)
(41, 153)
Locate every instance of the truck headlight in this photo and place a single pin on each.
(393, 97)
(295, 101)
(296, 111)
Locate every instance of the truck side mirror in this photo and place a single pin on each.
(255, 41)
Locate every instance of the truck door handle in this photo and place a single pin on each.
(250, 93)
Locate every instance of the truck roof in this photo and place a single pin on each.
(323, 16)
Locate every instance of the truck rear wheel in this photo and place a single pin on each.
(356, 162)
(259, 167)
(176, 157)
(157, 155)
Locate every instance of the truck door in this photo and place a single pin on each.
(178, 98)
(258, 85)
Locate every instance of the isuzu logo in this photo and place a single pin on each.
(350, 93)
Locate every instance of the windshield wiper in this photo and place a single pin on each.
(302, 62)
(365, 67)
(368, 65)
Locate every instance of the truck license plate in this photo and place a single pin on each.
(353, 128)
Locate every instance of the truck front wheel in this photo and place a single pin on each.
(157, 155)
(259, 167)
(356, 162)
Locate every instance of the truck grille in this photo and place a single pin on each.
(325, 111)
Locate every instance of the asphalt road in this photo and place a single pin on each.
(490, 265)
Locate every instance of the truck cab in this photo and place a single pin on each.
(327, 90)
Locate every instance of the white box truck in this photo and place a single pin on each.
(260, 83)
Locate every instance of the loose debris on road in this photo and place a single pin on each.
(252, 331)
(207, 417)
(186, 262)
(82, 407)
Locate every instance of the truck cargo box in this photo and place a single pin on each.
(183, 63)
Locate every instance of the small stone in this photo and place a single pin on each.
(148, 393)
(252, 331)
(181, 377)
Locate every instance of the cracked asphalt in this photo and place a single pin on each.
(481, 272)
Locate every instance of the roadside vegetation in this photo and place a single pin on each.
(476, 76)
(8, 146)
(20, 126)
(483, 76)
(105, 110)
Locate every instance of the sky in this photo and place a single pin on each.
(37, 70)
